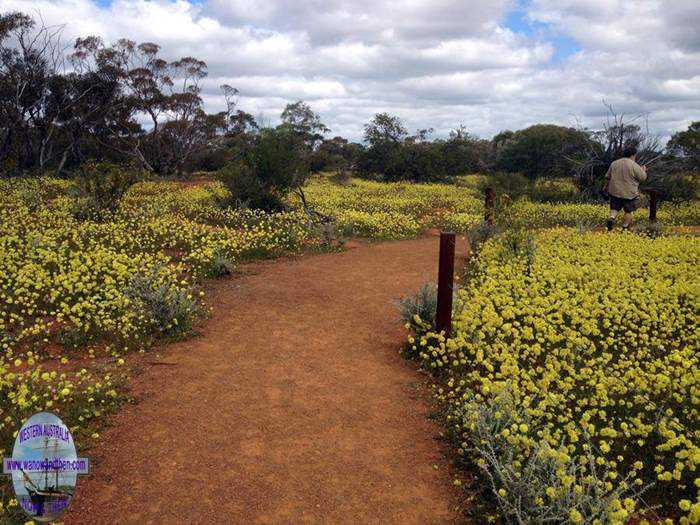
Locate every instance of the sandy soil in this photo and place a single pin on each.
(292, 406)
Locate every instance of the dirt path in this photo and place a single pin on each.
(293, 406)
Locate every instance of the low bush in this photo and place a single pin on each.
(548, 487)
(169, 310)
(418, 310)
(101, 185)
(274, 165)
(247, 191)
(481, 233)
(676, 187)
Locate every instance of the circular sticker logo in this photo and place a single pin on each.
(44, 467)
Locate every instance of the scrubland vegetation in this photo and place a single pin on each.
(80, 294)
(541, 325)
(571, 381)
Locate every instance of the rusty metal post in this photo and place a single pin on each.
(446, 268)
(653, 196)
(489, 204)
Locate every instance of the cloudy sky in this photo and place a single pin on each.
(490, 65)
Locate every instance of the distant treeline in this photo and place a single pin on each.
(123, 103)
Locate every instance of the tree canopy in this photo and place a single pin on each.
(124, 103)
(57, 110)
(686, 144)
(541, 150)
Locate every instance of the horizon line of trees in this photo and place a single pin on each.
(62, 107)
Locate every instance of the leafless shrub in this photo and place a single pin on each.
(607, 145)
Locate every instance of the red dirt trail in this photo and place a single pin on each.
(292, 407)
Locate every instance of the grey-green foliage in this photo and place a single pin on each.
(545, 486)
(585, 226)
(221, 265)
(423, 304)
(482, 233)
(654, 229)
(169, 311)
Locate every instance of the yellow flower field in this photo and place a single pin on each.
(573, 374)
(80, 294)
(396, 210)
(543, 215)
(401, 210)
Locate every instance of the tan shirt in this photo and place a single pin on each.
(624, 176)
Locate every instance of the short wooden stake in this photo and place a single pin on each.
(446, 268)
(653, 197)
(489, 204)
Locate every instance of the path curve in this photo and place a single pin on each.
(293, 406)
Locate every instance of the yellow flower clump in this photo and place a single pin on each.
(596, 337)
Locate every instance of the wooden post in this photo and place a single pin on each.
(489, 204)
(446, 268)
(653, 196)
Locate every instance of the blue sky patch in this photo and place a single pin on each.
(518, 22)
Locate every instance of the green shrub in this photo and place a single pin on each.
(677, 187)
(542, 150)
(514, 185)
(556, 190)
(74, 337)
(85, 208)
(519, 242)
(275, 165)
(246, 189)
(100, 187)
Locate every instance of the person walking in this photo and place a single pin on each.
(622, 185)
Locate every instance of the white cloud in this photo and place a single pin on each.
(284, 87)
(330, 21)
(435, 63)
